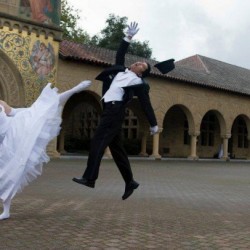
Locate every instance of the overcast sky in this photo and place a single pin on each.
(219, 29)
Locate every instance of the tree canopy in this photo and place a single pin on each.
(68, 23)
(109, 37)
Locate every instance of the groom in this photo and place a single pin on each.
(120, 84)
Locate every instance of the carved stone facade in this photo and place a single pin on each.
(11, 88)
(28, 57)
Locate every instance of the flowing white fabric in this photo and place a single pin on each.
(4, 123)
(23, 148)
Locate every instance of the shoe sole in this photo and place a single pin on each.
(85, 184)
(130, 191)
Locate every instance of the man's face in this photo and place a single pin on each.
(138, 68)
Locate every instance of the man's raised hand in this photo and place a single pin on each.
(132, 29)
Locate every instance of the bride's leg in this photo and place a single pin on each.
(63, 97)
(6, 209)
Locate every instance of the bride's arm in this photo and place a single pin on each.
(7, 108)
(14, 111)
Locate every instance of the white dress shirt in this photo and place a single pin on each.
(122, 79)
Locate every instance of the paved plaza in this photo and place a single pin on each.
(179, 204)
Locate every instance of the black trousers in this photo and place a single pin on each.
(107, 134)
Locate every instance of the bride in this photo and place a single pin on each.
(24, 135)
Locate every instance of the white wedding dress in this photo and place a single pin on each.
(23, 141)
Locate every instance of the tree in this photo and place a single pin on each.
(111, 36)
(68, 23)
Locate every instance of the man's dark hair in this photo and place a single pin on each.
(147, 71)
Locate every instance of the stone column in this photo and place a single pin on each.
(144, 145)
(51, 149)
(193, 147)
(61, 142)
(225, 146)
(107, 153)
(155, 153)
(248, 152)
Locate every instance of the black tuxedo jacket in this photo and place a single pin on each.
(139, 90)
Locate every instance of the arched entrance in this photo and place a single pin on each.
(80, 119)
(175, 137)
(136, 137)
(11, 83)
(210, 141)
(238, 143)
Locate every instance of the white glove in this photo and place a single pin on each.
(154, 130)
(132, 29)
(84, 84)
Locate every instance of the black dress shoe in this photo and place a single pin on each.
(84, 181)
(129, 189)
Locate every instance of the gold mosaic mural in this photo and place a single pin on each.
(35, 59)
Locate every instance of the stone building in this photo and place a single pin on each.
(202, 106)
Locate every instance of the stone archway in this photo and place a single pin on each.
(11, 83)
(80, 118)
(143, 143)
(212, 129)
(239, 141)
(178, 127)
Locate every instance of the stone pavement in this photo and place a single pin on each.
(178, 205)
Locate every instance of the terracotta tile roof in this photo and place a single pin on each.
(213, 73)
(197, 69)
(93, 54)
(82, 52)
